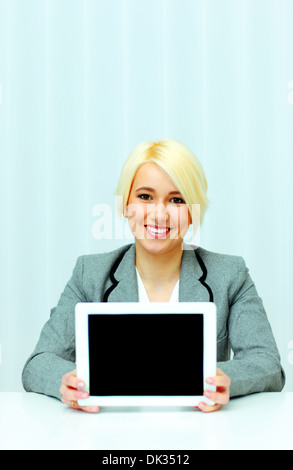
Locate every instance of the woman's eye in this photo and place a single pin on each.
(145, 197)
(174, 200)
(177, 200)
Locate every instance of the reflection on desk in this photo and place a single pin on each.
(261, 421)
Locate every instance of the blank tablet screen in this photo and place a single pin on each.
(146, 354)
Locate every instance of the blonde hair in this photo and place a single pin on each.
(177, 161)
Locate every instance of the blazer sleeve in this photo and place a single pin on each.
(255, 366)
(54, 354)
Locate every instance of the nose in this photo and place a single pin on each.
(158, 214)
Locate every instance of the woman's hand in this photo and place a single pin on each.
(221, 396)
(70, 393)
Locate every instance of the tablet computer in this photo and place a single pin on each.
(145, 354)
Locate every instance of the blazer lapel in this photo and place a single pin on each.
(126, 290)
(191, 288)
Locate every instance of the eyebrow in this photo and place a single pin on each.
(147, 188)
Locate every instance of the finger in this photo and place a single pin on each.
(90, 409)
(71, 394)
(208, 408)
(219, 381)
(75, 406)
(70, 380)
(217, 397)
(86, 409)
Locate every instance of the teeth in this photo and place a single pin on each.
(157, 230)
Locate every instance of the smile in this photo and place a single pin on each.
(157, 231)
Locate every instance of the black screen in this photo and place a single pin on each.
(146, 355)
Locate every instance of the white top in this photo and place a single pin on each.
(143, 296)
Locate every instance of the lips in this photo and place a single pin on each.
(157, 231)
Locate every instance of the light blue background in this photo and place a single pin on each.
(83, 82)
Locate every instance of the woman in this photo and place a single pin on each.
(161, 187)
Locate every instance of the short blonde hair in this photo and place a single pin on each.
(177, 161)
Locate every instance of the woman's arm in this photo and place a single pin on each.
(255, 366)
(54, 355)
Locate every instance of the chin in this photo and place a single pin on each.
(159, 246)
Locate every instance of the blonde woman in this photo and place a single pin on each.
(161, 188)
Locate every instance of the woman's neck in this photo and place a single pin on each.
(159, 268)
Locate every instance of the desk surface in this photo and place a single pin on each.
(261, 421)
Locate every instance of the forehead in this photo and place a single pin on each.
(152, 175)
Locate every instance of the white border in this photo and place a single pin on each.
(82, 310)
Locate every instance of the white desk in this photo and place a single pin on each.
(31, 421)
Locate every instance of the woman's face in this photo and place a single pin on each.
(157, 214)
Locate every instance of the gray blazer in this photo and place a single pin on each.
(242, 324)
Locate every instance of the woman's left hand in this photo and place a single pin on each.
(221, 396)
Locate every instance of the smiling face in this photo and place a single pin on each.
(158, 215)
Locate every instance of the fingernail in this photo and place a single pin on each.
(85, 395)
(81, 385)
(209, 381)
(201, 406)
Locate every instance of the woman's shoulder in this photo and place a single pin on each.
(225, 270)
(221, 261)
(91, 270)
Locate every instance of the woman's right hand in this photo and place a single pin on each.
(70, 393)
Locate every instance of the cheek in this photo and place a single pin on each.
(136, 213)
(179, 217)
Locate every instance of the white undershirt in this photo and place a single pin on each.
(143, 296)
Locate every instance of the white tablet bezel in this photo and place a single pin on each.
(207, 309)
